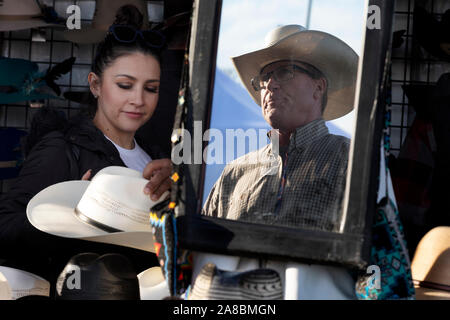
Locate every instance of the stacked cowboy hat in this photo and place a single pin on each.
(333, 57)
(26, 14)
(433, 35)
(431, 265)
(89, 276)
(111, 208)
(215, 284)
(176, 24)
(104, 16)
(21, 80)
(18, 284)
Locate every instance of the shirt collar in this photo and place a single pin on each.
(304, 135)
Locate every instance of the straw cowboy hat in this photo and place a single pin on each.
(112, 208)
(333, 57)
(430, 266)
(213, 283)
(104, 16)
(22, 284)
(26, 14)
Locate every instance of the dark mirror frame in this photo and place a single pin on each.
(221, 236)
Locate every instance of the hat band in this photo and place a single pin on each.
(94, 223)
(9, 17)
(432, 285)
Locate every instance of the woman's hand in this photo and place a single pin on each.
(158, 173)
(87, 175)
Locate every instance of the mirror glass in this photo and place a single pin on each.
(247, 178)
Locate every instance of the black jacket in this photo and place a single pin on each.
(58, 156)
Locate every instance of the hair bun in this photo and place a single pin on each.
(129, 15)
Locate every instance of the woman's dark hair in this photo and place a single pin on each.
(110, 49)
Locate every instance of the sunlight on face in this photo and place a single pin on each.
(128, 93)
(288, 104)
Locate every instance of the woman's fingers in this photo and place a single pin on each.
(158, 173)
(87, 175)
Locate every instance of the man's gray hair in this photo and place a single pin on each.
(317, 74)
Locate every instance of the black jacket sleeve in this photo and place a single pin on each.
(46, 164)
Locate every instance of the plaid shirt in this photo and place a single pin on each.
(313, 181)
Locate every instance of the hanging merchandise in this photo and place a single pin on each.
(176, 264)
(433, 35)
(389, 250)
(440, 105)
(175, 29)
(27, 14)
(420, 172)
(412, 170)
(21, 80)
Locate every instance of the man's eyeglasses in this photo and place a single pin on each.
(280, 74)
(128, 34)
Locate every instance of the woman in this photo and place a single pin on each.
(125, 83)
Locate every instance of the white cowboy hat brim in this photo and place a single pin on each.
(14, 25)
(152, 284)
(431, 294)
(5, 289)
(52, 211)
(23, 283)
(333, 57)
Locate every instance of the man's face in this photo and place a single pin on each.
(289, 104)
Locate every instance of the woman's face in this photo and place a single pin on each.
(127, 93)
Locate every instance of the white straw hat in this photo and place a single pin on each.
(112, 208)
(333, 57)
(22, 283)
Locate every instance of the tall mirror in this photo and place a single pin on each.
(250, 177)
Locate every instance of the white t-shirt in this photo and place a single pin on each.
(135, 158)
